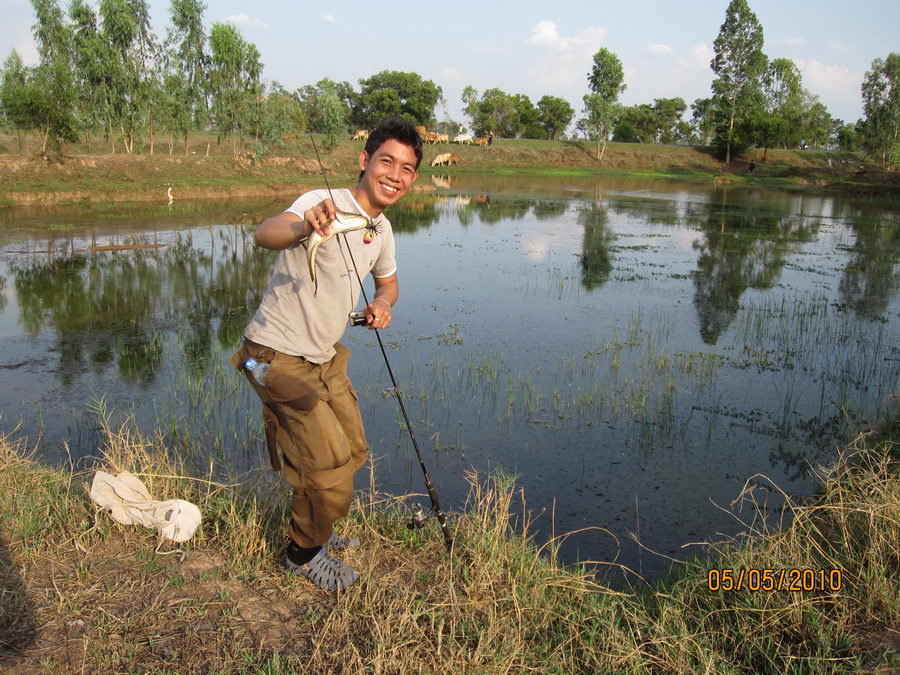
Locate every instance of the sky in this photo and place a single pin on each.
(537, 48)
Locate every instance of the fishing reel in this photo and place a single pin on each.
(418, 519)
(358, 319)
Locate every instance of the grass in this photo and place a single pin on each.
(83, 594)
(93, 174)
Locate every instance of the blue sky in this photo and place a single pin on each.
(538, 48)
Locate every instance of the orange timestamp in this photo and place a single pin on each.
(756, 579)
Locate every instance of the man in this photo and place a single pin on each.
(310, 410)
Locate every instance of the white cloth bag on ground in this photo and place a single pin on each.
(129, 503)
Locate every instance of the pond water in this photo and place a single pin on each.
(634, 351)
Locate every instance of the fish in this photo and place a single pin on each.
(343, 222)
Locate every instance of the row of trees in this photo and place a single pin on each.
(755, 101)
(102, 71)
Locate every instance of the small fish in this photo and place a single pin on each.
(343, 222)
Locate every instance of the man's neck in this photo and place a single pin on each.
(362, 198)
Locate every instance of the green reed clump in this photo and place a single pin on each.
(498, 602)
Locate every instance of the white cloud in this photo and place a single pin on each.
(698, 58)
(564, 61)
(837, 46)
(662, 50)
(244, 21)
(788, 42)
(452, 73)
(544, 34)
(328, 18)
(819, 77)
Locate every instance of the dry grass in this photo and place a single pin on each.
(82, 594)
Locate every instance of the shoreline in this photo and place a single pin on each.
(92, 178)
(83, 593)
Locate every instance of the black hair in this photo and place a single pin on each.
(400, 130)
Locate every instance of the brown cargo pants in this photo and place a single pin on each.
(312, 421)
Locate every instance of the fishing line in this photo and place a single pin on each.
(429, 486)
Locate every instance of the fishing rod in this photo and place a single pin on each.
(419, 517)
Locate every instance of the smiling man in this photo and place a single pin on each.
(291, 354)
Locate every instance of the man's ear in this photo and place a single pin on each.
(363, 161)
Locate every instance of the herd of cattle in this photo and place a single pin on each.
(432, 137)
(444, 159)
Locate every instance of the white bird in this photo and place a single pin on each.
(169, 195)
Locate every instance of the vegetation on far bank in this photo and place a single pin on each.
(84, 594)
(82, 177)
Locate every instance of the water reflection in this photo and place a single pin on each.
(596, 261)
(110, 307)
(605, 406)
(871, 277)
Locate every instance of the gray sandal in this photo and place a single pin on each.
(325, 572)
(338, 543)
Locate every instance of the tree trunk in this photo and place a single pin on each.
(21, 146)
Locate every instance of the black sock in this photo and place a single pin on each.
(299, 555)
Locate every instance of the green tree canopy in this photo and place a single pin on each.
(881, 104)
(739, 64)
(234, 82)
(556, 114)
(606, 82)
(392, 92)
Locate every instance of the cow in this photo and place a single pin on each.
(442, 159)
(463, 138)
(482, 141)
(361, 135)
(443, 138)
(430, 137)
(453, 160)
(421, 131)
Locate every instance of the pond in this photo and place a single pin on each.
(635, 351)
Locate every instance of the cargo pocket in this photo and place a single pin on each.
(327, 479)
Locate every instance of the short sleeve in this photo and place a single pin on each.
(306, 201)
(386, 264)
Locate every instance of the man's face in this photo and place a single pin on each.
(389, 173)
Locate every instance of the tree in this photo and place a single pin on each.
(234, 79)
(601, 105)
(129, 64)
(668, 114)
(187, 66)
(881, 104)
(527, 122)
(703, 120)
(636, 124)
(334, 123)
(13, 95)
(739, 64)
(51, 103)
(392, 92)
(556, 114)
(314, 104)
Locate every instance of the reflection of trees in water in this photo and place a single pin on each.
(491, 211)
(548, 209)
(113, 307)
(2, 293)
(596, 261)
(414, 214)
(654, 211)
(871, 276)
(744, 246)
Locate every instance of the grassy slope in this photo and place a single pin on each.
(79, 176)
(83, 594)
